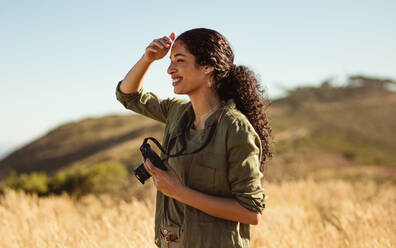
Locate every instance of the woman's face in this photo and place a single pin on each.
(187, 76)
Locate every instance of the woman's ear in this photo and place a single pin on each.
(210, 68)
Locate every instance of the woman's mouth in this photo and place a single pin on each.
(176, 80)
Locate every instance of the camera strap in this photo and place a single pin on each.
(184, 145)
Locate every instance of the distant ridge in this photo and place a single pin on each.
(313, 127)
(75, 142)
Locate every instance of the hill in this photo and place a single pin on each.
(84, 142)
(345, 128)
(314, 129)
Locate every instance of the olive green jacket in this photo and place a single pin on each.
(228, 167)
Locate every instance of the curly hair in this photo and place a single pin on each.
(231, 81)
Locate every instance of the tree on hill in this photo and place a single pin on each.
(371, 83)
(356, 86)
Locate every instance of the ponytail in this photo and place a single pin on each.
(242, 85)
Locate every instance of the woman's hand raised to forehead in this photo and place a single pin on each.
(158, 48)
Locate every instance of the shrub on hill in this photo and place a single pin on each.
(35, 182)
(105, 177)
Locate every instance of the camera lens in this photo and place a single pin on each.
(141, 173)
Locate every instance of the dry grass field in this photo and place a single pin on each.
(300, 213)
(331, 183)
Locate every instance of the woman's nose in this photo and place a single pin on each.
(171, 69)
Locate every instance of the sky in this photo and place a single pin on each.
(60, 61)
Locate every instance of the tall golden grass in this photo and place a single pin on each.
(301, 213)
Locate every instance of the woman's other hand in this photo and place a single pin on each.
(222, 207)
(165, 181)
(158, 48)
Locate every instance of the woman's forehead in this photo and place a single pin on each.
(179, 49)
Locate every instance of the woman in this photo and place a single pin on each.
(211, 192)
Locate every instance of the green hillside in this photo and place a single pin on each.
(319, 132)
(343, 128)
(86, 142)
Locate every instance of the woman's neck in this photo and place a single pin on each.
(204, 105)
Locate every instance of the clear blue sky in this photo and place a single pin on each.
(60, 60)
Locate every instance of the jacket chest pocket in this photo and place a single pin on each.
(201, 178)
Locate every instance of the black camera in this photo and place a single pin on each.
(140, 172)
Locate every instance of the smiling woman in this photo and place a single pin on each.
(211, 192)
(187, 76)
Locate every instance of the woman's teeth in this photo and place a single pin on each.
(176, 80)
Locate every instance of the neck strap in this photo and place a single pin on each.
(184, 145)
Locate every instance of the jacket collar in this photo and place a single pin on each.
(187, 117)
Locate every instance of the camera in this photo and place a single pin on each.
(140, 172)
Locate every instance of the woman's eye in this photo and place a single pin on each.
(179, 60)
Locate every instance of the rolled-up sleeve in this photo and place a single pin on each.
(244, 152)
(147, 104)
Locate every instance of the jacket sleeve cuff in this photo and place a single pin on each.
(252, 202)
(125, 98)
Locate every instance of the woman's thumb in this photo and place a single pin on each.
(167, 164)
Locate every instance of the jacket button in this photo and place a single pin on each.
(165, 232)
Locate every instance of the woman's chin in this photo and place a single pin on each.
(177, 91)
